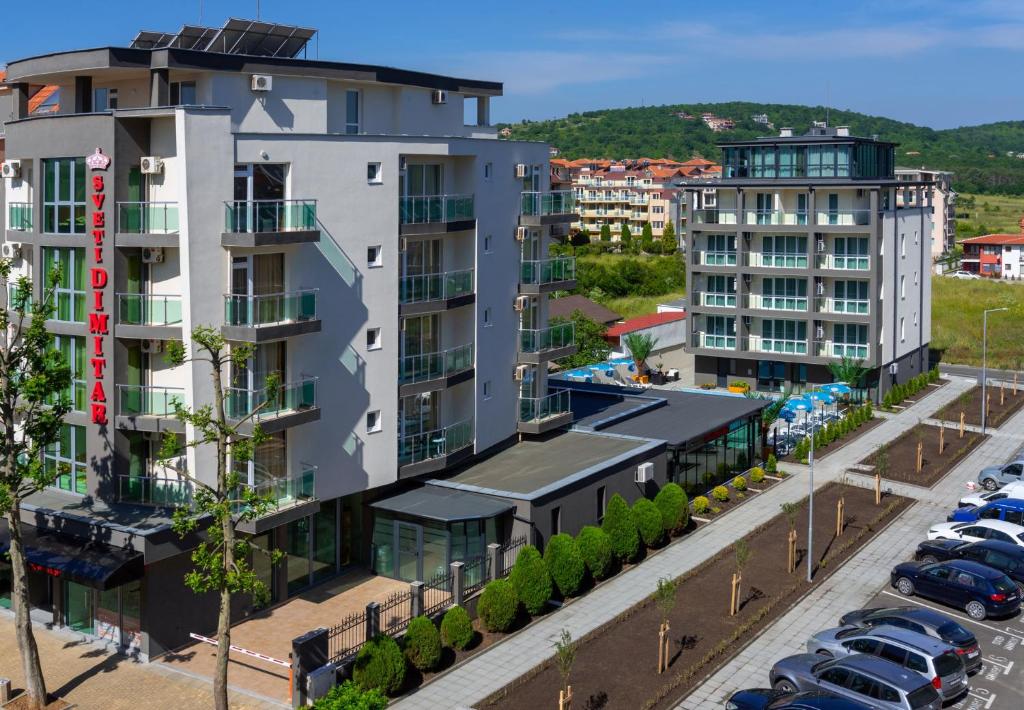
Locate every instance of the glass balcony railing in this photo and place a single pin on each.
(857, 306)
(150, 490)
(776, 217)
(423, 288)
(270, 309)
(843, 262)
(434, 366)
(777, 303)
(147, 217)
(715, 258)
(829, 348)
(844, 218)
(144, 400)
(282, 491)
(715, 341)
(712, 299)
(714, 216)
(261, 216)
(551, 338)
(429, 209)
(778, 260)
(19, 216)
(148, 309)
(546, 271)
(435, 444)
(775, 345)
(539, 204)
(537, 409)
(263, 403)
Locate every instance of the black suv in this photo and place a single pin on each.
(1003, 556)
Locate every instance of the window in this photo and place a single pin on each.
(351, 112)
(183, 93)
(556, 520)
(104, 99)
(64, 196)
(863, 645)
(373, 174)
(64, 460)
(915, 278)
(836, 676)
(861, 684)
(903, 329)
(70, 291)
(915, 319)
(893, 653)
(488, 171)
(903, 245)
(487, 244)
(600, 504)
(373, 339)
(373, 421)
(375, 256)
(903, 286)
(487, 389)
(72, 348)
(487, 318)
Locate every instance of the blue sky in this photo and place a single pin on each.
(940, 63)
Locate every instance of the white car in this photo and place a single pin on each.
(1010, 490)
(978, 530)
(963, 275)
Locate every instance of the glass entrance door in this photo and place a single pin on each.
(78, 607)
(6, 581)
(410, 542)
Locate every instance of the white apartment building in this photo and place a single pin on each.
(939, 198)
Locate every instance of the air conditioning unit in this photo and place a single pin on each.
(820, 288)
(522, 170)
(521, 234)
(11, 168)
(439, 96)
(820, 246)
(521, 303)
(520, 372)
(152, 346)
(153, 255)
(645, 472)
(819, 332)
(11, 250)
(151, 165)
(262, 82)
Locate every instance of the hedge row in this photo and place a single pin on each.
(898, 393)
(834, 431)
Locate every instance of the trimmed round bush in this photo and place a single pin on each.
(565, 564)
(379, 664)
(648, 522)
(498, 605)
(772, 465)
(422, 644)
(756, 474)
(596, 551)
(720, 493)
(457, 628)
(739, 483)
(700, 505)
(674, 507)
(621, 528)
(530, 580)
(348, 696)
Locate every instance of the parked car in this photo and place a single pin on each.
(925, 621)
(868, 679)
(994, 477)
(1010, 490)
(934, 659)
(771, 699)
(964, 275)
(979, 590)
(977, 531)
(1009, 509)
(1003, 556)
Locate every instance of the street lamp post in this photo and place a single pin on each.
(810, 497)
(984, 362)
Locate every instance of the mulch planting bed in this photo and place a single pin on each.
(970, 404)
(902, 454)
(931, 387)
(820, 453)
(616, 665)
(736, 498)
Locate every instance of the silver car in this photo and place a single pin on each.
(937, 661)
(867, 679)
(995, 477)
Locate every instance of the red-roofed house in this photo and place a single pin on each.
(996, 256)
(668, 327)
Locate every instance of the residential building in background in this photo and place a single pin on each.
(806, 258)
(942, 200)
(995, 256)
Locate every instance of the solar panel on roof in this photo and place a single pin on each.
(249, 37)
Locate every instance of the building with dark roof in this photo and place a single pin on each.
(564, 307)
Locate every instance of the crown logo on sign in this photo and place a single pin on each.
(98, 161)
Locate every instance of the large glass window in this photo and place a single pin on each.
(784, 251)
(851, 253)
(784, 336)
(64, 460)
(851, 296)
(72, 348)
(325, 543)
(70, 291)
(78, 607)
(849, 340)
(784, 294)
(64, 196)
(297, 558)
(351, 112)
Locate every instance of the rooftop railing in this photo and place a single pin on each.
(535, 409)
(155, 491)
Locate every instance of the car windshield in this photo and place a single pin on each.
(1004, 585)
(922, 697)
(955, 633)
(846, 633)
(947, 664)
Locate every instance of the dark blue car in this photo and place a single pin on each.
(769, 699)
(979, 590)
(1009, 509)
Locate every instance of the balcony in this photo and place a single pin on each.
(431, 214)
(714, 341)
(714, 258)
(429, 293)
(274, 316)
(832, 349)
(146, 224)
(291, 497)
(537, 209)
(713, 299)
(260, 223)
(19, 216)
(779, 218)
(778, 346)
(547, 275)
(149, 408)
(845, 306)
(714, 216)
(537, 346)
(776, 303)
(435, 371)
(843, 262)
(777, 260)
(148, 316)
(288, 405)
(435, 450)
(154, 491)
(539, 415)
(843, 218)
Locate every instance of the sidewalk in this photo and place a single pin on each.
(860, 578)
(490, 671)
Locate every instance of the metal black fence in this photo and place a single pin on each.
(475, 574)
(510, 552)
(396, 613)
(345, 639)
(437, 593)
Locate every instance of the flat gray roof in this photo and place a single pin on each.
(132, 519)
(534, 468)
(442, 504)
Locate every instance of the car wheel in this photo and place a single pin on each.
(905, 587)
(1020, 588)
(975, 610)
(989, 484)
(929, 559)
(785, 686)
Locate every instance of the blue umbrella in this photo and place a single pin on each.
(837, 388)
(823, 397)
(799, 404)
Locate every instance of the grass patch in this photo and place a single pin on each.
(633, 306)
(957, 306)
(990, 213)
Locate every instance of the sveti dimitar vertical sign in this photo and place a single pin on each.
(99, 315)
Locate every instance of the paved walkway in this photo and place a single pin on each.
(490, 671)
(859, 579)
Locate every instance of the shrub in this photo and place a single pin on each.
(742, 463)
(720, 493)
(498, 605)
(648, 522)
(700, 505)
(457, 628)
(868, 412)
(739, 483)
(348, 696)
(773, 464)
(565, 564)
(530, 580)
(673, 506)
(933, 374)
(422, 644)
(621, 529)
(708, 478)
(800, 450)
(379, 664)
(887, 399)
(596, 551)
(756, 474)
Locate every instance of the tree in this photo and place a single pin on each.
(848, 370)
(626, 239)
(591, 346)
(565, 656)
(579, 239)
(669, 245)
(221, 560)
(647, 239)
(665, 600)
(606, 233)
(34, 383)
(640, 346)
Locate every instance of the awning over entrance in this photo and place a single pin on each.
(87, 562)
(444, 505)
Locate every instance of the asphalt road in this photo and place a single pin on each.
(975, 372)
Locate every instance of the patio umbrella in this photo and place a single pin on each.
(823, 397)
(798, 404)
(837, 388)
